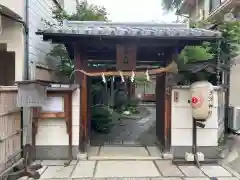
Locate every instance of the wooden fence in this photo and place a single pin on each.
(10, 128)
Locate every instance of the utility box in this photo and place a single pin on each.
(234, 119)
(31, 93)
(182, 123)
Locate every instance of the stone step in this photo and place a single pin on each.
(101, 158)
(124, 153)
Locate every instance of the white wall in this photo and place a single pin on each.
(17, 6)
(234, 98)
(53, 132)
(12, 34)
(181, 122)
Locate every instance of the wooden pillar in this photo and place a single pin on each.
(163, 106)
(131, 89)
(160, 110)
(81, 79)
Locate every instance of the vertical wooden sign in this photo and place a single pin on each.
(126, 57)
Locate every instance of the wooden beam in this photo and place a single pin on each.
(140, 56)
(95, 41)
(3, 46)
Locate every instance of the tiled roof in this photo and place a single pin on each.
(129, 30)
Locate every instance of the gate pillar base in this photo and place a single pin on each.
(82, 156)
(167, 155)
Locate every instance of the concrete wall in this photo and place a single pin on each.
(181, 126)
(52, 138)
(235, 83)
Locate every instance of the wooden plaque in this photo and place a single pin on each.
(126, 57)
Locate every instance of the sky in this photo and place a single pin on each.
(135, 10)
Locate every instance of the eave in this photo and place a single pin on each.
(8, 12)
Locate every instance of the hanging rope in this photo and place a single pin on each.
(172, 68)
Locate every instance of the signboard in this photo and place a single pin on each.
(54, 104)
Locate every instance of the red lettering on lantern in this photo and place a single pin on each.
(195, 100)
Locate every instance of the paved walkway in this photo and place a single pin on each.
(143, 163)
(130, 131)
(145, 170)
(124, 153)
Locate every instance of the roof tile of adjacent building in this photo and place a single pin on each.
(94, 28)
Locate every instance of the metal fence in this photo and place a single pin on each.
(10, 128)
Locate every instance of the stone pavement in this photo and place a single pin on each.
(231, 151)
(138, 131)
(132, 169)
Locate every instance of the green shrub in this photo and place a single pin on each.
(133, 102)
(103, 118)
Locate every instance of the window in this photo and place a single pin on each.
(214, 4)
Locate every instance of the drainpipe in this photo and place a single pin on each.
(26, 43)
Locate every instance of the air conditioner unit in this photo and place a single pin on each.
(234, 118)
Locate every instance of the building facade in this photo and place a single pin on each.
(23, 54)
(198, 10)
(214, 11)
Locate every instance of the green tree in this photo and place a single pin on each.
(230, 42)
(226, 49)
(84, 12)
(196, 53)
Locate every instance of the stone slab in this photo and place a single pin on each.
(123, 151)
(154, 151)
(143, 120)
(168, 169)
(93, 150)
(41, 171)
(84, 169)
(54, 172)
(196, 178)
(168, 178)
(126, 169)
(215, 171)
(126, 142)
(167, 156)
(57, 162)
(230, 170)
(191, 171)
(228, 178)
